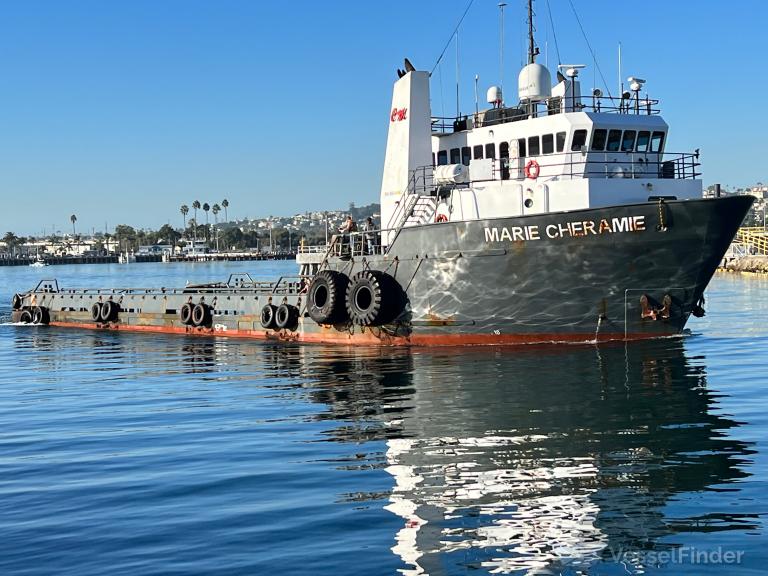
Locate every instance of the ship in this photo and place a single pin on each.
(561, 218)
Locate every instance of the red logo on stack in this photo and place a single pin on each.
(398, 115)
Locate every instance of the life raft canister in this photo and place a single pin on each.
(532, 169)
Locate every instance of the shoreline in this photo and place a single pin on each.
(747, 264)
(144, 258)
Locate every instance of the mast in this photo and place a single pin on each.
(533, 51)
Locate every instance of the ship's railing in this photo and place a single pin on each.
(283, 285)
(567, 165)
(312, 249)
(631, 105)
(670, 165)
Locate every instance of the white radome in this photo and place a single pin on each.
(534, 83)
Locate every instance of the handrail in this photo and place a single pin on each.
(754, 237)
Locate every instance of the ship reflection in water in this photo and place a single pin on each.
(541, 461)
(528, 461)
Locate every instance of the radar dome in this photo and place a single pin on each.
(534, 83)
(493, 96)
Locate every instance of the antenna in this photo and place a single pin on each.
(477, 106)
(458, 107)
(621, 82)
(501, 45)
(532, 50)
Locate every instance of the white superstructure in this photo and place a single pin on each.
(556, 150)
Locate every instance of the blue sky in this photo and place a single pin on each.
(121, 111)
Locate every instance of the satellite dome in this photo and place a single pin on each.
(494, 96)
(534, 83)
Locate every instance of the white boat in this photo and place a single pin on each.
(39, 262)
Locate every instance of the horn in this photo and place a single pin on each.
(408, 66)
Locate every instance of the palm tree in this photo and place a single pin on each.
(216, 209)
(207, 207)
(73, 218)
(184, 211)
(225, 205)
(11, 241)
(195, 207)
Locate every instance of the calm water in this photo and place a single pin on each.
(142, 454)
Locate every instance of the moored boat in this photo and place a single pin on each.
(562, 218)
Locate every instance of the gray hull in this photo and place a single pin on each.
(627, 272)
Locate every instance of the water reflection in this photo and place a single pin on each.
(525, 461)
(536, 461)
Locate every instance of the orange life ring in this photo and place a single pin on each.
(441, 218)
(532, 169)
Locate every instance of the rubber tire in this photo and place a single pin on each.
(383, 303)
(26, 317)
(287, 317)
(201, 315)
(186, 314)
(326, 297)
(269, 317)
(17, 301)
(40, 315)
(96, 312)
(108, 311)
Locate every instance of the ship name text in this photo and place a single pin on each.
(573, 228)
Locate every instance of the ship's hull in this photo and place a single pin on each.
(619, 273)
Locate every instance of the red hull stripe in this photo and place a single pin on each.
(374, 336)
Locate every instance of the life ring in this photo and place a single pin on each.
(441, 218)
(532, 169)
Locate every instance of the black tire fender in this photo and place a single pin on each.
(268, 317)
(185, 314)
(287, 317)
(109, 310)
(326, 297)
(201, 315)
(373, 298)
(40, 315)
(96, 312)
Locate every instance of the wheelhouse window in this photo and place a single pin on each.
(560, 140)
(579, 139)
(466, 155)
(657, 141)
(614, 139)
(628, 141)
(643, 137)
(504, 150)
(490, 150)
(477, 152)
(455, 156)
(547, 144)
(442, 157)
(533, 146)
(521, 148)
(598, 139)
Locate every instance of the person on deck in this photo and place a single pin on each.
(347, 228)
(370, 235)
